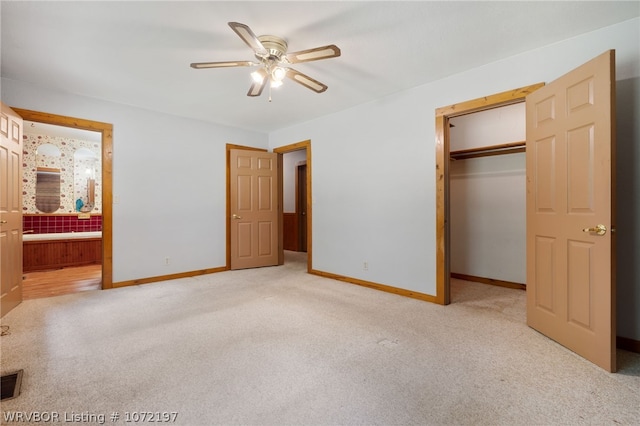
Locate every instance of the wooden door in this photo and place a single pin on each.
(254, 209)
(10, 209)
(301, 207)
(570, 192)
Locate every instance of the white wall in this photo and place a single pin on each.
(169, 181)
(374, 168)
(290, 161)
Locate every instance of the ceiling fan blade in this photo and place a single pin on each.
(256, 88)
(324, 52)
(248, 37)
(306, 81)
(202, 65)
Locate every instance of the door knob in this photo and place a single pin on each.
(599, 229)
(2, 221)
(235, 216)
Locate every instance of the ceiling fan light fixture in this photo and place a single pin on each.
(279, 74)
(276, 83)
(258, 76)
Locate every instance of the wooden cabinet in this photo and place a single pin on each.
(53, 254)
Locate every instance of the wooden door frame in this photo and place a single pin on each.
(106, 131)
(442, 115)
(306, 145)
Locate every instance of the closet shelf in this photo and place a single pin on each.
(486, 151)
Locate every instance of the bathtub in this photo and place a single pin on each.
(61, 236)
(60, 250)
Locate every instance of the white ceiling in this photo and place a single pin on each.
(138, 53)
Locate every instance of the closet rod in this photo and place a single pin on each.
(486, 151)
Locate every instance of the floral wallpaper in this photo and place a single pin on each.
(68, 172)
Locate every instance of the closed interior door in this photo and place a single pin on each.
(10, 209)
(570, 184)
(253, 208)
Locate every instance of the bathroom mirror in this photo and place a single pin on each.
(85, 166)
(48, 178)
(78, 155)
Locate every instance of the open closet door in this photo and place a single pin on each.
(570, 200)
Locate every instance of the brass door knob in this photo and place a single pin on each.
(235, 216)
(599, 229)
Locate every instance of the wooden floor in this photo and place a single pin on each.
(36, 285)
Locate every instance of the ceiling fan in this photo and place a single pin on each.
(271, 52)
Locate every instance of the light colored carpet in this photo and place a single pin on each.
(274, 346)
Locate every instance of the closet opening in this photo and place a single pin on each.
(487, 197)
(445, 117)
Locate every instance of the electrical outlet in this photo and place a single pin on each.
(166, 260)
(365, 266)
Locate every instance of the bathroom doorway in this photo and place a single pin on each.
(84, 211)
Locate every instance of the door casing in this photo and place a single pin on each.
(106, 130)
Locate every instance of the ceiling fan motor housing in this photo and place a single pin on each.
(276, 47)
